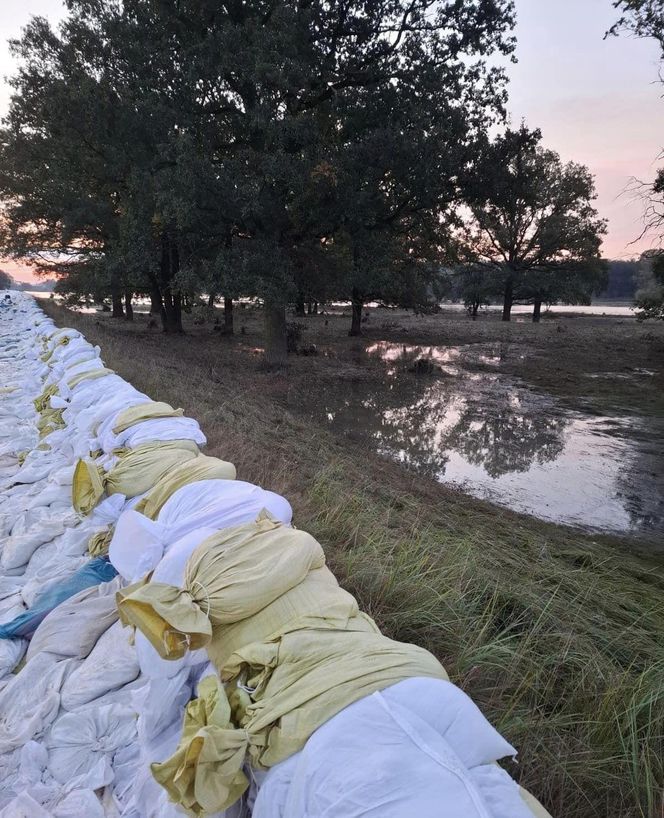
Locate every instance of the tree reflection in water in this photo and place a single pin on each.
(463, 422)
(422, 420)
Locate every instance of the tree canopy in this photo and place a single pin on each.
(645, 18)
(273, 150)
(531, 224)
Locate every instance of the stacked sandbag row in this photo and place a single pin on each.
(181, 646)
(80, 721)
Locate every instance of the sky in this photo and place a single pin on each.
(597, 101)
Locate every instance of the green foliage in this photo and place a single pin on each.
(251, 149)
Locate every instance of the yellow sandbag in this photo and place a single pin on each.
(231, 576)
(41, 403)
(290, 644)
(61, 342)
(144, 411)
(88, 376)
(201, 468)
(50, 420)
(136, 472)
(206, 768)
(99, 543)
(298, 683)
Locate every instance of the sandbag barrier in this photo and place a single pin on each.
(169, 643)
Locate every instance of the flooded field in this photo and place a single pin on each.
(449, 413)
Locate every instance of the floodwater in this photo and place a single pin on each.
(519, 310)
(450, 414)
(620, 310)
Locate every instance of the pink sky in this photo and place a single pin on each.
(596, 101)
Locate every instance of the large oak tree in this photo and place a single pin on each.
(531, 223)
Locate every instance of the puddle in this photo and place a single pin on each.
(493, 437)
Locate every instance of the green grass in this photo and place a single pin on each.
(558, 636)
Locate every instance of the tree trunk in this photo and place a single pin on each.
(171, 311)
(475, 308)
(211, 300)
(129, 310)
(537, 310)
(508, 300)
(276, 354)
(299, 305)
(116, 297)
(156, 303)
(228, 316)
(356, 320)
(171, 314)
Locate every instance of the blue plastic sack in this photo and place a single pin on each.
(92, 573)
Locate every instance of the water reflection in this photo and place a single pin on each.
(499, 440)
(485, 421)
(509, 438)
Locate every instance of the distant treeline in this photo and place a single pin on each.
(8, 282)
(622, 281)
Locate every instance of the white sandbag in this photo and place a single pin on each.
(24, 806)
(10, 586)
(47, 797)
(424, 737)
(75, 626)
(111, 665)
(41, 557)
(122, 695)
(149, 799)
(91, 365)
(204, 504)
(125, 765)
(160, 704)
(17, 549)
(28, 518)
(219, 504)
(177, 428)
(33, 776)
(57, 569)
(9, 774)
(37, 466)
(11, 653)
(63, 476)
(10, 607)
(79, 803)
(30, 702)
(77, 741)
(52, 493)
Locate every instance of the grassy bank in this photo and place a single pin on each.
(556, 635)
